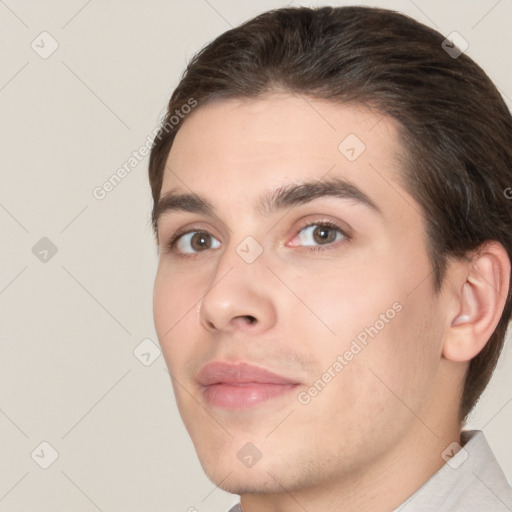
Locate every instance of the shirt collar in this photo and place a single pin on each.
(471, 480)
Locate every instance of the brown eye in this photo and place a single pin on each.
(324, 234)
(320, 233)
(193, 242)
(200, 241)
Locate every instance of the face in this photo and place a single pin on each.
(327, 287)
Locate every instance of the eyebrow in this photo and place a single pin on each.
(271, 201)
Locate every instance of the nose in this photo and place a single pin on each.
(239, 297)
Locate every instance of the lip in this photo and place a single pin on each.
(219, 372)
(241, 385)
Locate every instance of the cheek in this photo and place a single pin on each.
(402, 359)
(384, 327)
(174, 298)
(389, 377)
(165, 293)
(176, 290)
(344, 300)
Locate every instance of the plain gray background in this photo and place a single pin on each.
(72, 320)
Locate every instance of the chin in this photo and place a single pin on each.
(250, 481)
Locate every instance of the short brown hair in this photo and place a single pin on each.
(456, 130)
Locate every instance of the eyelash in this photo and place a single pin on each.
(170, 246)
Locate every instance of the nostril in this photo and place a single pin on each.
(250, 318)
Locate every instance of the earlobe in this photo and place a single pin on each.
(481, 300)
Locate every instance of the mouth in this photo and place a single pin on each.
(242, 385)
(243, 396)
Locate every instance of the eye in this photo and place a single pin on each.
(320, 233)
(314, 236)
(192, 242)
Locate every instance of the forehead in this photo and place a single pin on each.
(283, 126)
(240, 147)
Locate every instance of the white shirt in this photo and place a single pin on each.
(471, 481)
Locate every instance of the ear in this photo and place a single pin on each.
(480, 294)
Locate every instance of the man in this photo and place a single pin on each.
(333, 288)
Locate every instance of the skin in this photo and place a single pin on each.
(377, 430)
